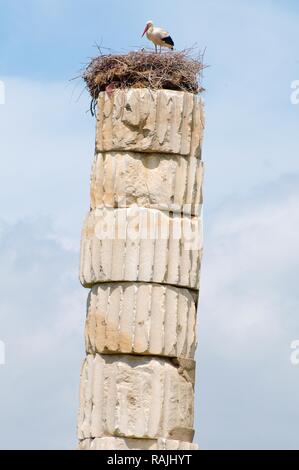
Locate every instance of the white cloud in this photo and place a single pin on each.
(248, 317)
(42, 311)
(47, 145)
(46, 153)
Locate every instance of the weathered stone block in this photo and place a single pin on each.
(145, 245)
(135, 397)
(118, 443)
(144, 120)
(163, 182)
(147, 319)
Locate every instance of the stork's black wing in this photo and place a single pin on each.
(168, 40)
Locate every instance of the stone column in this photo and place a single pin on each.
(140, 257)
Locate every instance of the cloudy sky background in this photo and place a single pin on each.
(247, 389)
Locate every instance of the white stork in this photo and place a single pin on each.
(158, 36)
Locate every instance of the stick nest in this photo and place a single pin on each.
(169, 70)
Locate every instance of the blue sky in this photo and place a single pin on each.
(247, 390)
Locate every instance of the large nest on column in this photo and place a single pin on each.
(170, 70)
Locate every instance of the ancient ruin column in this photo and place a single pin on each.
(140, 257)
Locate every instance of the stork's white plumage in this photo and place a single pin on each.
(158, 36)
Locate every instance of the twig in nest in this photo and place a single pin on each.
(144, 69)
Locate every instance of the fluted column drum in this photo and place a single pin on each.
(141, 251)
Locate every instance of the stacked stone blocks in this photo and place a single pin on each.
(140, 257)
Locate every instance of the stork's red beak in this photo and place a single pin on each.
(146, 28)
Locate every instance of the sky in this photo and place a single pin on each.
(247, 385)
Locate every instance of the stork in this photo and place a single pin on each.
(158, 36)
